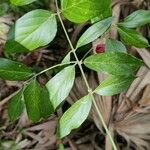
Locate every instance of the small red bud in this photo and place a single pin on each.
(100, 48)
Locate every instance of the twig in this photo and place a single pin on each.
(85, 80)
(5, 100)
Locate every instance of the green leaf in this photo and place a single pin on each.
(11, 45)
(132, 37)
(95, 31)
(136, 19)
(3, 9)
(60, 85)
(114, 85)
(96, 19)
(83, 10)
(16, 106)
(115, 63)
(3, 30)
(74, 116)
(67, 58)
(11, 70)
(32, 95)
(61, 147)
(114, 45)
(35, 29)
(21, 2)
(46, 107)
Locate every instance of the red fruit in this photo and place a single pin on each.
(100, 48)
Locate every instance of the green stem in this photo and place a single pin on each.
(85, 80)
(58, 65)
(33, 77)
